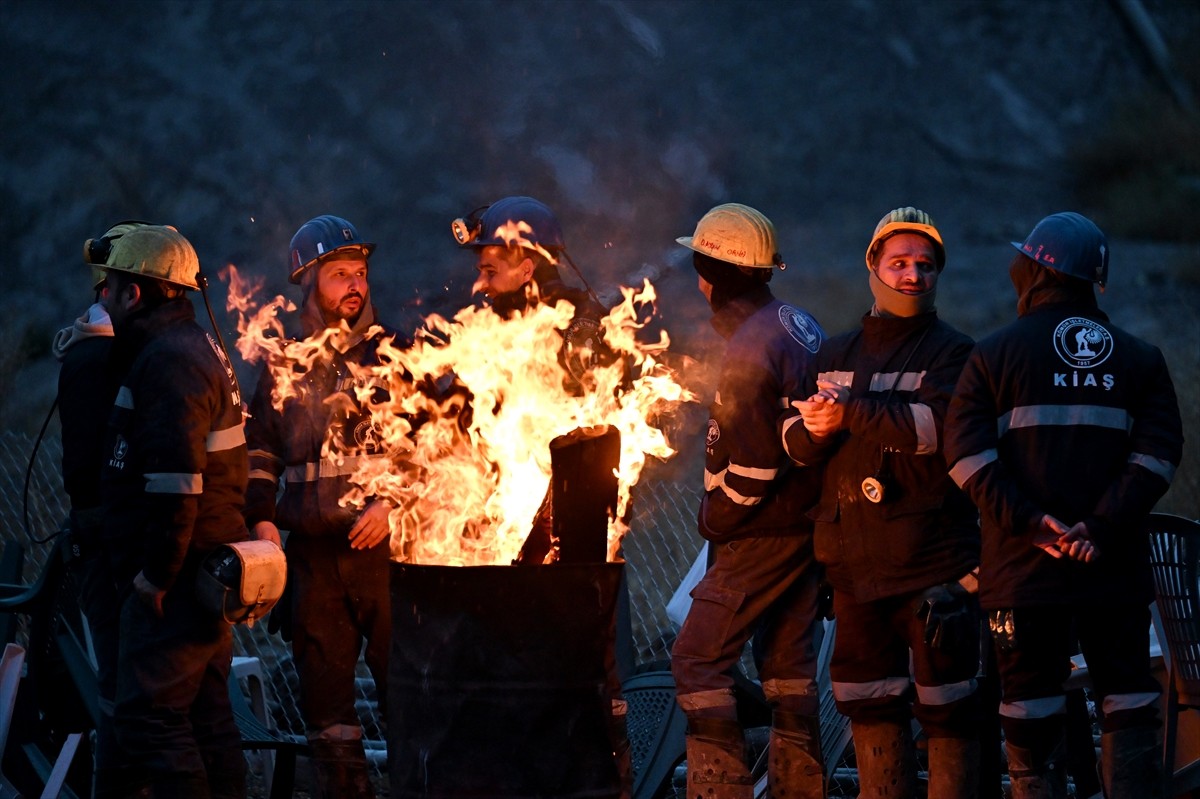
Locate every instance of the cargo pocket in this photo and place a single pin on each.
(709, 621)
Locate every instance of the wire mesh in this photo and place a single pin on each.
(658, 549)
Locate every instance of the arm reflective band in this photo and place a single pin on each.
(961, 472)
(174, 483)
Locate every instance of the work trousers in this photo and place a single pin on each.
(1034, 661)
(767, 586)
(101, 604)
(340, 596)
(871, 674)
(173, 714)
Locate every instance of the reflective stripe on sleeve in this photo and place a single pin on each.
(752, 472)
(843, 379)
(961, 472)
(1163, 468)
(174, 483)
(229, 438)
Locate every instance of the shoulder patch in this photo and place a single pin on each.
(800, 326)
(1082, 343)
(714, 433)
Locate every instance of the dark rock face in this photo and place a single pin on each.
(236, 122)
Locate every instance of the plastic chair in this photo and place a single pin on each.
(1175, 562)
(259, 733)
(10, 678)
(656, 728)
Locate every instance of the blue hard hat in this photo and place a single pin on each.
(485, 226)
(318, 238)
(1070, 243)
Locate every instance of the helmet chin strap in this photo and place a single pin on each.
(889, 302)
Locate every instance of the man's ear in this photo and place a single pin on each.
(526, 269)
(131, 296)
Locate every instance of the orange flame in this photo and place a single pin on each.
(472, 407)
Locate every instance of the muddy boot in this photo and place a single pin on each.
(341, 768)
(1130, 765)
(796, 767)
(716, 760)
(953, 768)
(886, 759)
(1038, 776)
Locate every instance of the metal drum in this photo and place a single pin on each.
(499, 681)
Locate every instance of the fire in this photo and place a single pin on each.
(471, 409)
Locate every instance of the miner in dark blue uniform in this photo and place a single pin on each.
(1065, 430)
(763, 577)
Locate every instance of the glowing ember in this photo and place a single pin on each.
(489, 396)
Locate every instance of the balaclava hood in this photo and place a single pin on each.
(728, 281)
(1039, 285)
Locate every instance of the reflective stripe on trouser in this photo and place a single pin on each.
(876, 642)
(768, 585)
(1115, 641)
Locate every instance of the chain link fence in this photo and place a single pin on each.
(658, 549)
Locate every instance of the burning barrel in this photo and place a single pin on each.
(499, 675)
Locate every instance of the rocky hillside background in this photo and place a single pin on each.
(237, 121)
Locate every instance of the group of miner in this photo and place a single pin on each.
(966, 511)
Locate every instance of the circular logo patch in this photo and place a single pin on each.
(1082, 343)
(714, 433)
(801, 327)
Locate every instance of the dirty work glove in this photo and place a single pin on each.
(947, 613)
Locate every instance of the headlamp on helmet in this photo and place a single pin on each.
(97, 251)
(154, 251)
(510, 222)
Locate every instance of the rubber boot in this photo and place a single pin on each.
(716, 759)
(1130, 764)
(341, 768)
(1038, 776)
(886, 759)
(795, 765)
(953, 768)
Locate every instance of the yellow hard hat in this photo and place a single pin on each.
(157, 251)
(736, 234)
(96, 251)
(907, 220)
